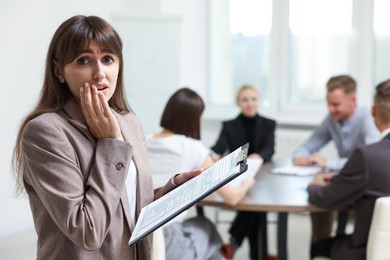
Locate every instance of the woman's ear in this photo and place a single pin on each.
(58, 72)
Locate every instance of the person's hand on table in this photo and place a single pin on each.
(322, 179)
(302, 161)
(315, 159)
(248, 183)
(215, 156)
(255, 156)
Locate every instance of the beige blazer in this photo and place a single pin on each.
(76, 186)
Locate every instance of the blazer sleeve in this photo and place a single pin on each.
(222, 143)
(345, 187)
(267, 150)
(82, 204)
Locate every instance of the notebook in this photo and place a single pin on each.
(162, 210)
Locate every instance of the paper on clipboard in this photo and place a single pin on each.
(188, 194)
(297, 170)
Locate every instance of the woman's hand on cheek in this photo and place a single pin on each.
(101, 121)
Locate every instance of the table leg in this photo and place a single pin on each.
(282, 236)
(342, 220)
(259, 245)
(200, 210)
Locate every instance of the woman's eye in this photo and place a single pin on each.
(108, 59)
(82, 61)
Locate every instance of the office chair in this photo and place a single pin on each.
(378, 245)
(158, 252)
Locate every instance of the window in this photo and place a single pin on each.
(250, 28)
(244, 58)
(382, 40)
(288, 49)
(320, 34)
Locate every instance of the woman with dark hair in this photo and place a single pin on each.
(175, 148)
(80, 154)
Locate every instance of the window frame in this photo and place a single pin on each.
(362, 56)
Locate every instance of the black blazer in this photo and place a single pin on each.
(233, 136)
(363, 179)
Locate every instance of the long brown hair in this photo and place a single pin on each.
(70, 39)
(182, 113)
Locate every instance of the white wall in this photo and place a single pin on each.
(194, 32)
(26, 29)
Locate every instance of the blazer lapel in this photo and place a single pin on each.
(126, 209)
(127, 136)
(132, 133)
(126, 133)
(75, 117)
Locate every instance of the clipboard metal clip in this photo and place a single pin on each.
(241, 157)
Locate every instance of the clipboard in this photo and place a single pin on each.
(167, 207)
(253, 168)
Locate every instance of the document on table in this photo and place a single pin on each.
(189, 193)
(297, 170)
(253, 168)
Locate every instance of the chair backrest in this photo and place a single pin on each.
(158, 252)
(378, 246)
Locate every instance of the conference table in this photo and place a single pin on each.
(272, 193)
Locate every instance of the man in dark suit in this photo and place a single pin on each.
(363, 179)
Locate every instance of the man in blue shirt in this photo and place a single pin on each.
(348, 126)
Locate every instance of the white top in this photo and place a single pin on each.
(131, 187)
(171, 155)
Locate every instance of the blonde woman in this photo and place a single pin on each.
(259, 131)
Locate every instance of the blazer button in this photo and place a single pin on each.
(119, 166)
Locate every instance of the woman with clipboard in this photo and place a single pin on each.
(80, 154)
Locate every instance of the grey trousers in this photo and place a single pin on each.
(194, 239)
